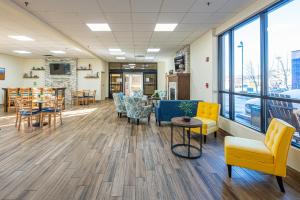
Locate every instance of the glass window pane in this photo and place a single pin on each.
(225, 105)
(247, 58)
(289, 112)
(225, 62)
(284, 50)
(247, 111)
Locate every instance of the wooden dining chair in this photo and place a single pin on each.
(12, 94)
(55, 110)
(25, 93)
(27, 112)
(92, 96)
(17, 104)
(48, 92)
(86, 94)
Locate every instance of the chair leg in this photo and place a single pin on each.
(128, 119)
(229, 167)
(17, 118)
(204, 139)
(138, 121)
(60, 118)
(28, 121)
(149, 119)
(159, 123)
(54, 120)
(20, 121)
(280, 183)
(215, 134)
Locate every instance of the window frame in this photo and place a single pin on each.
(263, 95)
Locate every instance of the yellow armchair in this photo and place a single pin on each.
(208, 113)
(269, 156)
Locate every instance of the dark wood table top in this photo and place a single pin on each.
(178, 121)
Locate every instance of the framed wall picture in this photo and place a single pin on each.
(2, 73)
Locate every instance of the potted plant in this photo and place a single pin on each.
(187, 108)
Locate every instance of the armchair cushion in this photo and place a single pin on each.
(208, 126)
(247, 150)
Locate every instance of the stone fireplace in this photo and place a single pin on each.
(68, 81)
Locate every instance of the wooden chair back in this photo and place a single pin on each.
(25, 93)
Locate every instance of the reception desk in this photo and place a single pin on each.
(58, 92)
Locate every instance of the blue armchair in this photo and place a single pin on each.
(136, 109)
(167, 109)
(119, 103)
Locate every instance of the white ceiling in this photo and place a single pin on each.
(132, 23)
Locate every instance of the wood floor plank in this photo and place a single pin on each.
(96, 155)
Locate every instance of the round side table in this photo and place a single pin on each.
(194, 123)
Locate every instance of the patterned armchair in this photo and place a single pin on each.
(119, 103)
(136, 109)
(139, 94)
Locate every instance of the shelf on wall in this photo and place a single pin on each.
(91, 77)
(83, 69)
(31, 77)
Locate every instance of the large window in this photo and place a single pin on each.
(260, 69)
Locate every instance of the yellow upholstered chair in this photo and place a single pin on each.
(208, 113)
(269, 156)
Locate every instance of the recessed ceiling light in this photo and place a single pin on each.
(114, 50)
(99, 27)
(22, 52)
(117, 53)
(58, 52)
(120, 58)
(153, 50)
(165, 27)
(149, 57)
(20, 37)
(131, 64)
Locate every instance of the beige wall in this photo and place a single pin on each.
(13, 72)
(16, 67)
(202, 71)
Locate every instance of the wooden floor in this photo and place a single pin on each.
(95, 155)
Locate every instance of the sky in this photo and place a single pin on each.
(283, 37)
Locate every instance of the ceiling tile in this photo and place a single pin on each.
(177, 5)
(115, 5)
(144, 17)
(146, 5)
(168, 17)
(119, 18)
(202, 6)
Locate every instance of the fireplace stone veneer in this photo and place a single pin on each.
(70, 82)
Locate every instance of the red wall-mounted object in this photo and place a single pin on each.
(206, 85)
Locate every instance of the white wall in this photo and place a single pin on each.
(202, 72)
(28, 65)
(161, 75)
(97, 65)
(13, 72)
(15, 68)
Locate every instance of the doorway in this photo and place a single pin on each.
(132, 82)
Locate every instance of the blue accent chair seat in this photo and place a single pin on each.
(167, 109)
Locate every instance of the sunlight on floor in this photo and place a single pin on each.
(75, 113)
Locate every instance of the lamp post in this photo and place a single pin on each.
(241, 45)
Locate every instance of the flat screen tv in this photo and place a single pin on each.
(60, 69)
(179, 63)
